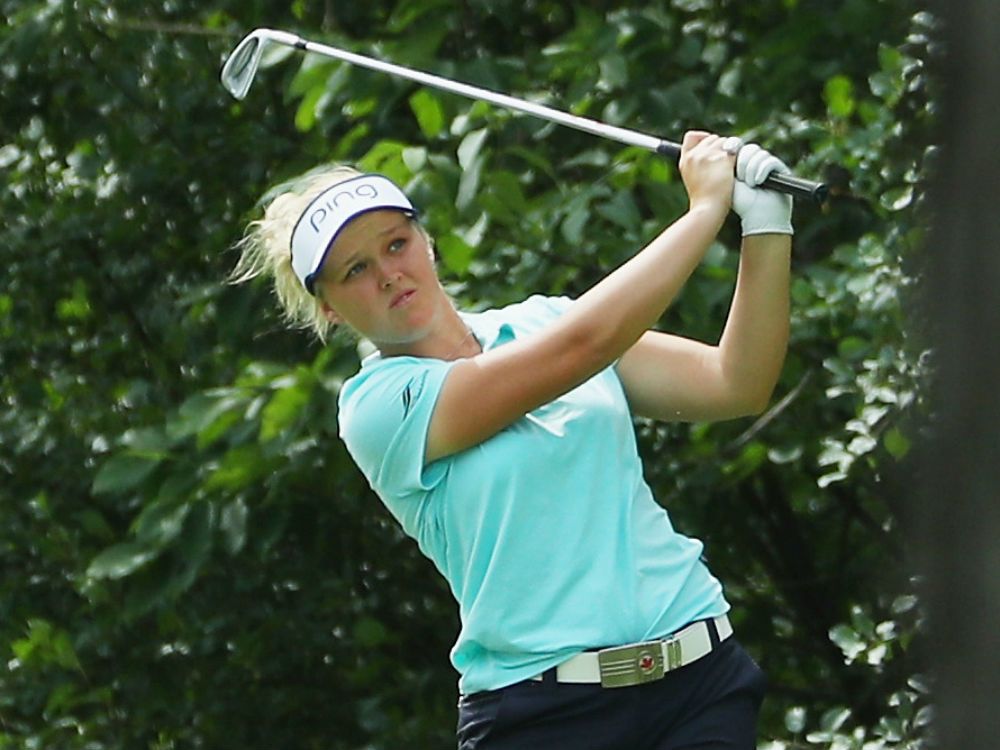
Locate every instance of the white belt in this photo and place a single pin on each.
(635, 663)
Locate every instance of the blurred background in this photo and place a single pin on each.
(190, 558)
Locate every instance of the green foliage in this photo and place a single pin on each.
(192, 558)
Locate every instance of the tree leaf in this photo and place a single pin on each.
(795, 719)
(233, 524)
(847, 639)
(839, 95)
(160, 522)
(429, 112)
(284, 407)
(468, 185)
(123, 472)
(455, 252)
(193, 550)
(470, 147)
(121, 560)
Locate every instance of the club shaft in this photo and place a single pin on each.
(622, 135)
(784, 183)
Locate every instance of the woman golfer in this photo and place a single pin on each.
(503, 443)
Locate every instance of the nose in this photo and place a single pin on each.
(388, 276)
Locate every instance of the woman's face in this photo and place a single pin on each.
(379, 278)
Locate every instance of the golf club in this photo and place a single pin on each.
(241, 67)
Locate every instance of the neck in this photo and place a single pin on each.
(451, 340)
(469, 346)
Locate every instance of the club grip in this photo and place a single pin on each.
(782, 183)
(796, 186)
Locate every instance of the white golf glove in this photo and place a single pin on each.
(761, 211)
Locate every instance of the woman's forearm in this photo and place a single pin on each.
(755, 338)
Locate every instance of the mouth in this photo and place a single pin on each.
(402, 298)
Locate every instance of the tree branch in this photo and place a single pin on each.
(161, 27)
(767, 417)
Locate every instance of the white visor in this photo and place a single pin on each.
(330, 211)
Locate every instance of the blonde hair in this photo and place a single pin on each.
(265, 249)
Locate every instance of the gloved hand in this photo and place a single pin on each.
(761, 211)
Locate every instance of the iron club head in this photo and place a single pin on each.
(241, 66)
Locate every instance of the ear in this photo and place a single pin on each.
(329, 313)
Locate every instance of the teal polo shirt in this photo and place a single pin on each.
(547, 534)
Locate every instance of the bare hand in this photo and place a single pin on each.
(708, 170)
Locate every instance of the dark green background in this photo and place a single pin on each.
(189, 557)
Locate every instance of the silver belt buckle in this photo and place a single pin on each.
(631, 665)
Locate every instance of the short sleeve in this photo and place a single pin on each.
(384, 413)
(549, 307)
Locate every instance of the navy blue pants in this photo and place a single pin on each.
(710, 704)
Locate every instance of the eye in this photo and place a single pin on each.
(354, 270)
(397, 245)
